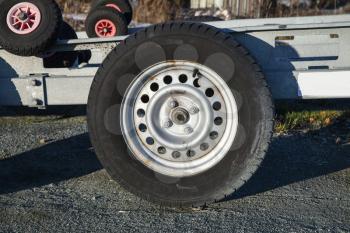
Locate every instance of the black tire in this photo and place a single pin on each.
(255, 116)
(66, 58)
(123, 5)
(37, 41)
(202, 19)
(105, 13)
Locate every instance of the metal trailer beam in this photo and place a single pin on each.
(306, 57)
(285, 23)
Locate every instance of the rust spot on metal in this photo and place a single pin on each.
(284, 38)
(147, 162)
(334, 36)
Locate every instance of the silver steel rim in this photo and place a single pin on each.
(179, 118)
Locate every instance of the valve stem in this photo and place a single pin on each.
(195, 73)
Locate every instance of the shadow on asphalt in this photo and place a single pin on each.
(299, 157)
(52, 163)
(290, 159)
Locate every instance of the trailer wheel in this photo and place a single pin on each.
(28, 27)
(122, 6)
(105, 22)
(180, 114)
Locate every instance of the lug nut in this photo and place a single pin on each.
(176, 154)
(167, 124)
(173, 104)
(161, 150)
(204, 146)
(194, 110)
(188, 130)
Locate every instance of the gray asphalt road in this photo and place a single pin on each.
(51, 181)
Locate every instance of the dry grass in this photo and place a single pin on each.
(156, 11)
(73, 6)
(310, 115)
(167, 8)
(309, 120)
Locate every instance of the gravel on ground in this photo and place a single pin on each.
(51, 181)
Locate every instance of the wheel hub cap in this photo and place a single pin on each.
(23, 18)
(179, 118)
(105, 28)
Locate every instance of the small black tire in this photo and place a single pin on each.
(203, 18)
(122, 6)
(37, 41)
(118, 73)
(115, 20)
(65, 58)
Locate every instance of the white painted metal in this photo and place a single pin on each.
(289, 50)
(67, 91)
(323, 85)
(267, 24)
(59, 90)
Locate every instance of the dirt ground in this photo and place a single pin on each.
(51, 181)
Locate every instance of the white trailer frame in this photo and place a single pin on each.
(302, 58)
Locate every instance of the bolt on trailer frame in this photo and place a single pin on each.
(302, 58)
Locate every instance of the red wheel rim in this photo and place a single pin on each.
(23, 18)
(114, 7)
(105, 28)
